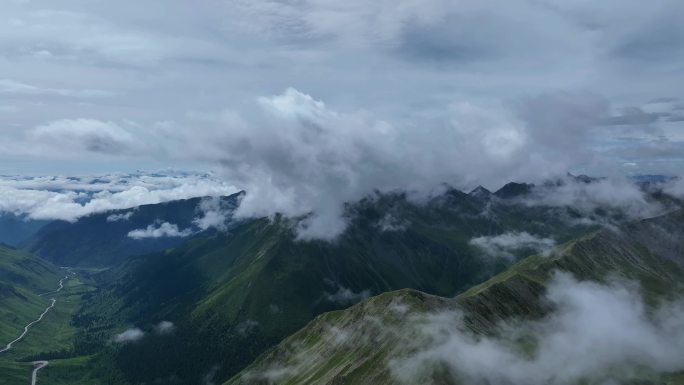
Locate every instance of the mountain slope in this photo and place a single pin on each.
(231, 296)
(22, 278)
(359, 345)
(15, 229)
(103, 239)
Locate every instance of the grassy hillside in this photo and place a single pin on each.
(52, 339)
(357, 345)
(22, 278)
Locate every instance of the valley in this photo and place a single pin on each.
(50, 335)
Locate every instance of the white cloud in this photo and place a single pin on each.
(129, 335)
(120, 217)
(598, 333)
(503, 245)
(84, 135)
(71, 198)
(346, 296)
(159, 230)
(296, 156)
(391, 222)
(610, 193)
(461, 112)
(674, 187)
(305, 158)
(164, 327)
(214, 214)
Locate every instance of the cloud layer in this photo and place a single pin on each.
(68, 198)
(503, 245)
(160, 230)
(129, 335)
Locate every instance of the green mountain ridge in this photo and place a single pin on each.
(23, 277)
(231, 296)
(101, 239)
(357, 345)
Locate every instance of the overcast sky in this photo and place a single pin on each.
(297, 99)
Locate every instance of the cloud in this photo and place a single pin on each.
(129, 335)
(478, 101)
(295, 155)
(306, 159)
(598, 334)
(215, 214)
(391, 222)
(631, 116)
(346, 296)
(136, 334)
(73, 35)
(617, 193)
(85, 135)
(159, 230)
(247, 327)
(120, 217)
(503, 245)
(9, 86)
(69, 198)
(674, 187)
(208, 379)
(164, 327)
(595, 333)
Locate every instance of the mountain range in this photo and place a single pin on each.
(214, 301)
(361, 345)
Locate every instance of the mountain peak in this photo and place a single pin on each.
(480, 192)
(513, 190)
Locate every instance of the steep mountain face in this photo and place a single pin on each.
(231, 296)
(108, 238)
(514, 190)
(22, 278)
(383, 339)
(15, 229)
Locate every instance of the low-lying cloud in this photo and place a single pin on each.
(159, 230)
(214, 213)
(616, 193)
(675, 187)
(164, 327)
(120, 217)
(346, 296)
(503, 245)
(306, 159)
(598, 334)
(129, 335)
(136, 334)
